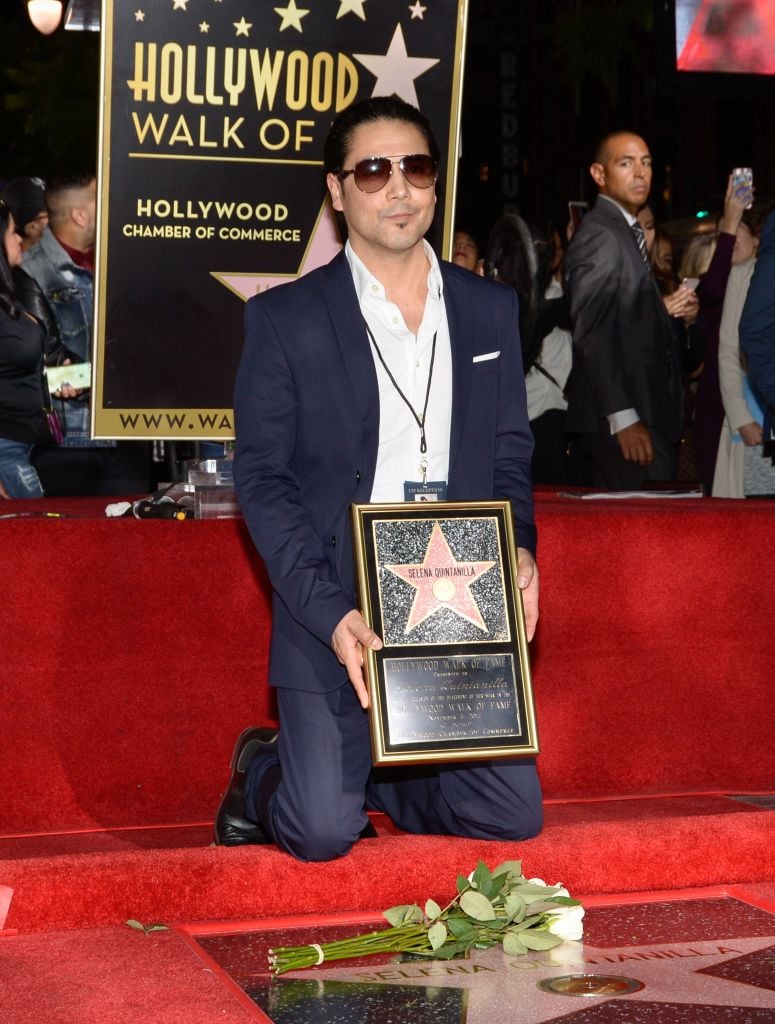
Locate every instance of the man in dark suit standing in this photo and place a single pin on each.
(624, 392)
(383, 374)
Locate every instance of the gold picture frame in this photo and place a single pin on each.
(437, 581)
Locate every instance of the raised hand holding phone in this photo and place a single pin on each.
(742, 185)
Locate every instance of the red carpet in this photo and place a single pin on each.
(611, 850)
(110, 976)
(126, 682)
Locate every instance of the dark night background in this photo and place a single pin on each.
(544, 79)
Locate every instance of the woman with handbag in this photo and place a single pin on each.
(23, 420)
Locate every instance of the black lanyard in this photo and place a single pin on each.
(419, 420)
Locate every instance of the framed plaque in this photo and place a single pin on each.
(438, 583)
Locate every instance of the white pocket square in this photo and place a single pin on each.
(485, 356)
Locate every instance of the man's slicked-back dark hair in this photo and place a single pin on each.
(378, 108)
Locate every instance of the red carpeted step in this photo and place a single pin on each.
(639, 853)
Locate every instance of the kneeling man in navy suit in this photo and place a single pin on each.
(385, 376)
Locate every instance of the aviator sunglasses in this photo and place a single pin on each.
(372, 174)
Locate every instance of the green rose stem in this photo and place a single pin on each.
(490, 907)
(403, 939)
(391, 940)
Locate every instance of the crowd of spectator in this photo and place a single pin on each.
(634, 370)
(631, 351)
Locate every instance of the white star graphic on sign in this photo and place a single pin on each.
(243, 27)
(417, 10)
(179, 5)
(351, 7)
(291, 16)
(396, 71)
(139, 15)
(203, 26)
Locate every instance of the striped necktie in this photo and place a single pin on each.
(640, 241)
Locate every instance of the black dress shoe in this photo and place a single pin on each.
(231, 827)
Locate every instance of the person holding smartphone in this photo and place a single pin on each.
(736, 241)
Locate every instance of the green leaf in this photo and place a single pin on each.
(477, 906)
(511, 867)
(146, 929)
(512, 944)
(534, 893)
(460, 926)
(482, 877)
(406, 913)
(533, 889)
(437, 935)
(529, 922)
(515, 907)
(462, 883)
(432, 910)
(539, 940)
(451, 949)
(565, 901)
(496, 924)
(499, 881)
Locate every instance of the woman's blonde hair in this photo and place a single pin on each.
(697, 255)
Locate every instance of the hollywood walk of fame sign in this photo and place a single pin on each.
(438, 583)
(211, 178)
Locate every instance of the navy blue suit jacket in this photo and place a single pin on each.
(757, 327)
(307, 426)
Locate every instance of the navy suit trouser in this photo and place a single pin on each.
(309, 792)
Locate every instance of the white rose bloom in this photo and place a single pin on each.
(536, 881)
(565, 922)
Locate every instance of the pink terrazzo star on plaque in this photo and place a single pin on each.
(440, 581)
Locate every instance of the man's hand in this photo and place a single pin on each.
(635, 443)
(347, 641)
(752, 434)
(527, 581)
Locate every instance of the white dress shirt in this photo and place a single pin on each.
(556, 358)
(408, 356)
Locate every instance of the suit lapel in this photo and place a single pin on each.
(461, 332)
(640, 269)
(341, 299)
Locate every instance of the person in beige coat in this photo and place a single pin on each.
(740, 427)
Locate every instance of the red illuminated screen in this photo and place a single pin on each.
(726, 35)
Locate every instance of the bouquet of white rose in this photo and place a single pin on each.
(499, 906)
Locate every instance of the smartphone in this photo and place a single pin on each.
(743, 176)
(576, 210)
(77, 375)
(690, 283)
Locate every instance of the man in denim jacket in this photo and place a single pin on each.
(62, 264)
